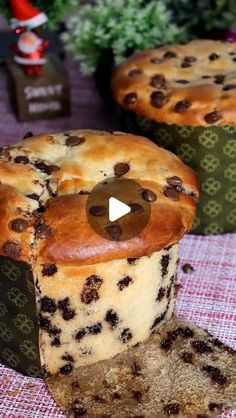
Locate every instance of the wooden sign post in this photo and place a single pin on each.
(39, 97)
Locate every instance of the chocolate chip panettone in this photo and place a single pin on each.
(71, 296)
(184, 98)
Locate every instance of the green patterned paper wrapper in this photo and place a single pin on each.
(19, 348)
(211, 152)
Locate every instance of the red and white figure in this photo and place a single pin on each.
(26, 15)
(29, 52)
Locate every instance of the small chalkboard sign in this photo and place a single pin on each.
(39, 97)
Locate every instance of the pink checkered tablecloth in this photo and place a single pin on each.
(207, 297)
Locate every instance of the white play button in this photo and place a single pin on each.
(117, 209)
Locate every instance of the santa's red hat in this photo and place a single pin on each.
(24, 14)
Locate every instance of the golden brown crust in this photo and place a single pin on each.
(53, 175)
(200, 73)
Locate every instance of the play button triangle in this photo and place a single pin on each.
(117, 209)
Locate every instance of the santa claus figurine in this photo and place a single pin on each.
(30, 47)
(29, 52)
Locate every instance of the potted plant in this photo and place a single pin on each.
(106, 32)
(204, 18)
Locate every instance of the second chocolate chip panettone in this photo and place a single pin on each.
(192, 84)
(95, 297)
(183, 98)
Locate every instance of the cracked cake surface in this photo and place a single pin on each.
(95, 297)
(192, 84)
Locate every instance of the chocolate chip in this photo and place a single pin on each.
(190, 59)
(68, 314)
(67, 369)
(44, 231)
(213, 56)
(187, 357)
(158, 81)
(121, 168)
(49, 269)
(219, 344)
(95, 329)
(97, 210)
(48, 305)
(136, 208)
(219, 79)
(80, 334)
(215, 375)
(165, 259)
(89, 295)
(47, 169)
(171, 193)
(132, 261)
(115, 231)
(161, 294)
(130, 99)
(73, 141)
(156, 60)
(126, 335)
(201, 347)
(94, 281)
(136, 369)
(215, 407)
(19, 225)
(158, 99)
(172, 409)
(78, 410)
(176, 183)
(202, 416)
(148, 195)
(83, 192)
(234, 59)
(159, 318)
(12, 249)
(98, 399)
(166, 344)
(181, 106)
(33, 196)
(4, 152)
(21, 159)
(185, 332)
(137, 396)
(170, 54)
(56, 342)
(28, 135)
(50, 191)
(186, 64)
(187, 268)
(134, 73)
(36, 213)
(67, 357)
(63, 304)
(169, 288)
(116, 396)
(182, 81)
(229, 87)
(46, 325)
(112, 318)
(126, 281)
(206, 76)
